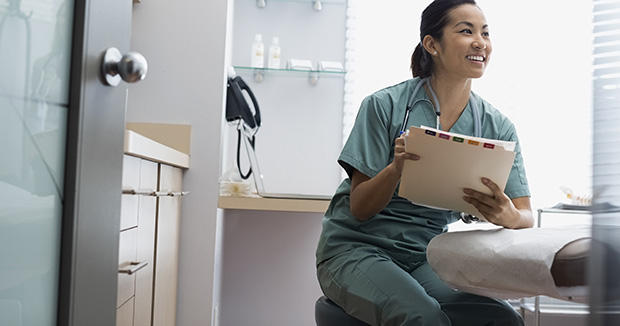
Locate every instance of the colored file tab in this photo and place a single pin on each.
(471, 140)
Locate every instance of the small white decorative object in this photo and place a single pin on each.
(231, 184)
(298, 64)
(578, 200)
(334, 66)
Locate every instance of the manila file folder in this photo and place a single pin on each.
(449, 163)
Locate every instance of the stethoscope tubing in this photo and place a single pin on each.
(412, 102)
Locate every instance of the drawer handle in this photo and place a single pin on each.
(133, 267)
(137, 192)
(169, 193)
(178, 193)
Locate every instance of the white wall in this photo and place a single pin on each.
(184, 43)
(269, 276)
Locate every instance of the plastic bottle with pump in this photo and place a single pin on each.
(258, 52)
(274, 54)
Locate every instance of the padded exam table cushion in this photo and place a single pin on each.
(513, 264)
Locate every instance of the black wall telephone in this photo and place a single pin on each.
(237, 106)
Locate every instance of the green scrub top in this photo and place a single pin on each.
(402, 229)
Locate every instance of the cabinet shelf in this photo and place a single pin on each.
(317, 5)
(313, 75)
(306, 1)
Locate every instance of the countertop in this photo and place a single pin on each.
(143, 147)
(255, 202)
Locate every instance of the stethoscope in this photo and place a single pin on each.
(412, 102)
(467, 218)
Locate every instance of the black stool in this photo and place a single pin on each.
(327, 313)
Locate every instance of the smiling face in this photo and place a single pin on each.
(465, 47)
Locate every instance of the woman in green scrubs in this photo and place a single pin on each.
(371, 256)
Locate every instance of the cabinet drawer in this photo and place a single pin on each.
(129, 211)
(124, 314)
(131, 172)
(131, 182)
(148, 175)
(126, 256)
(139, 176)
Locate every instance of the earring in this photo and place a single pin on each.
(435, 53)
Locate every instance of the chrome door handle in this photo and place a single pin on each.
(131, 67)
(133, 267)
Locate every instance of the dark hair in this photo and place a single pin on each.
(434, 19)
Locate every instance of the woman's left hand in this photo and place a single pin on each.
(499, 209)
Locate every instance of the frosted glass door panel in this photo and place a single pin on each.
(35, 48)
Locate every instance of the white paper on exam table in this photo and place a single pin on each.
(503, 263)
(449, 163)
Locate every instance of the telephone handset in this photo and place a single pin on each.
(238, 108)
(237, 105)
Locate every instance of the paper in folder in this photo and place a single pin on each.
(449, 163)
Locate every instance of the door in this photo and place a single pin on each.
(61, 150)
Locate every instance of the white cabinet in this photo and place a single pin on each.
(148, 244)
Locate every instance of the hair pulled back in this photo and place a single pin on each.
(434, 19)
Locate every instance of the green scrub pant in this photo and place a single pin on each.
(371, 287)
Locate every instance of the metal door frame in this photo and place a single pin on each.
(95, 135)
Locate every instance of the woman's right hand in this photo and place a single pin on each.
(400, 155)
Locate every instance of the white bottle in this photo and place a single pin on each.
(258, 52)
(274, 54)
